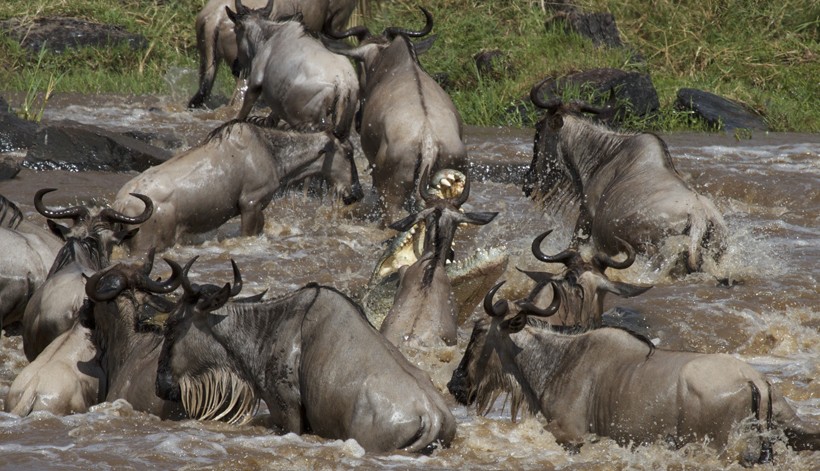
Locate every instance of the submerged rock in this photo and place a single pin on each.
(75, 146)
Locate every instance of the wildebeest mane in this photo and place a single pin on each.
(10, 214)
(636, 335)
(89, 245)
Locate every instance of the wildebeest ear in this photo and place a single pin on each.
(231, 14)
(120, 236)
(479, 218)
(555, 122)
(625, 290)
(58, 229)
(425, 44)
(405, 224)
(216, 300)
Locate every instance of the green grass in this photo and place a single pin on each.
(764, 54)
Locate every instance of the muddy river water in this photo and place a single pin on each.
(767, 187)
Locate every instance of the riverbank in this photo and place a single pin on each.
(761, 54)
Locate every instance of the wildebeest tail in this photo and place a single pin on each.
(766, 452)
(25, 404)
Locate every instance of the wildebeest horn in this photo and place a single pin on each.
(498, 309)
(562, 257)
(530, 309)
(604, 260)
(186, 283)
(74, 212)
(266, 10)
(465, 193)
(161, 287)
(237, 280)
(112, 215)
(393, 31)
(535, 97)
(424, 186)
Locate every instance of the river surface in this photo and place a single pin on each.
(767, 187)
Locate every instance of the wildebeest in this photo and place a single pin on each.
(613, 383)
(297, 76)
(87, 247)
(216, 40)
(626, 184)
(65, 378)
(123, 295)
(237, 170)
(582, 287)
(312, 357)
(408, 121)
(424, 309)
(28, 252)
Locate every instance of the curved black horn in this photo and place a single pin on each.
(530, 309)
(186, 283)
(498, 309)
(237, 280)
(112, 215)
(113, 286)
(604, 260)
(148, 265)
(424, 186)
(162, 287)
(266, 10)
(393, 31)
(535, 97)
(562, 257)
(72, 212)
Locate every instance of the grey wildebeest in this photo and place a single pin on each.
(613, 383)
(128, 350)
(626, 184)
(28, 252)
(314, 359)
(303, 82)
(424, 309)
(87, 247)
(216, 41)
(582, 286)
(237, 170)
(65, 378)
(408, 121)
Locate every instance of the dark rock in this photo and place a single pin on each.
(599, 27)
(626, 92)
(15, 133)
(9, 167)
(492, 64)
(74, 146)
(58, 34)
(718, 112)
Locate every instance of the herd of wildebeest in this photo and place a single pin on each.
(95, 331)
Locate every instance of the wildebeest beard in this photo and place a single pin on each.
(218, 394)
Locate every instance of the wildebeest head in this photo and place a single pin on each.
(100, 228)
(441, 218)
(484, 372)
(193, 367)
(370, 48)
(250, 27)
(582, 286)
(551, 174)
(125, 291)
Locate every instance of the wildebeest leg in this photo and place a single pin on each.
(253, 219)
(251, 95)
(208, 64)
(238, 92)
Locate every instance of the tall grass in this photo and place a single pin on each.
(762, 53)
